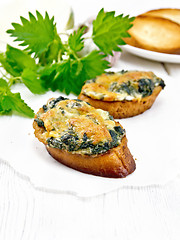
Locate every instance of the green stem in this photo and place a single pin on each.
(69, 52)
(12, 80)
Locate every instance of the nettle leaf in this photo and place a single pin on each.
(32, 81)
(48, 64)
(89, 67)
(62, 79)
(109, 31)
(70, 22)
(70, 75)
(36, 33)
(76, 40)
(9, 69)
(3, 85)
(67, 77)
(52, 52)
(94, 64)
(3, 110)
(19, 60)
(13, 102)
(3, 90)
(47, 74)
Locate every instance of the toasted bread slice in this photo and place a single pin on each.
(124, 109)
(172, 14)
(116, 163)
(84, 138)
(123, 94)
(155, 34)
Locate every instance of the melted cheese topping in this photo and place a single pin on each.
(105, 87)
(76, 115)
(74, 122)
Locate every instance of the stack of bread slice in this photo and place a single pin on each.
(157, 30)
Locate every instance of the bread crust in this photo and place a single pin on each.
(145, 34)
(172, 14)
(118, 162)
(124, 109)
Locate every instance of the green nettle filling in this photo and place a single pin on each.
(69, 140)
(144, 86)
(132, 88)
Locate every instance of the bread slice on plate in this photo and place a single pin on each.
(172, 14)
(155, 34)
(123, 94)
(84, 138)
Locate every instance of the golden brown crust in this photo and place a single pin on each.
(172, 14)
(115, 163)
(124, 109)
(145, 34)
(39, 130)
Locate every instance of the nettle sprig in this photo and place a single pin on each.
(48, 63)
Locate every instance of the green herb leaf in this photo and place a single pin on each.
(3, 85)
(89, 67)
(13, 101)
(109, 30)
(9, 69)
(52, 52)
(19, 60)
(3, 89)
(36, 34)
(70, 22)
(94, 65)
(15, 61)
(57, 76)
(75, 40)
(47, 74)
(70, 75)
(66, 79)
(2, 110)
(47, 63)
(32, 81)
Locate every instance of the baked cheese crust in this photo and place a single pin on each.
(120, 86)
(123, 94)
(77, 127)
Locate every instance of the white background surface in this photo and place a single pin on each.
(149, 212)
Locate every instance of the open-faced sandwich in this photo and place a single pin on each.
(123, 94)
(84, 138)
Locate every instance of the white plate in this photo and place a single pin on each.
(153, 139)
(155, 56)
